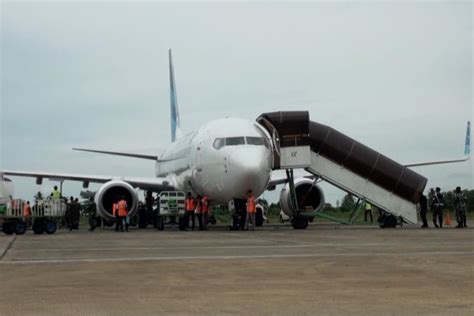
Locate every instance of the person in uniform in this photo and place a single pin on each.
(190, 205)
(460, 206)
(91, 210)
(423, 210)
(75, 214)
(27, 213)
(56, 194)
(368, 211)
(437, 205)
(122, 212)
(68, 213)
(251, 210)
(205, 211)
(198, 211)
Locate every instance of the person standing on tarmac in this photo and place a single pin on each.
(251, 210)
(460, 206)
(91, 210)
(190, 205)
(56, 194)
(423, 210)
(68, 213)
(115, 213)
(27, 213)
(122, 211)
(75, 214)
(198, 211)
(437, 205)
(205, 211)
(368, 211)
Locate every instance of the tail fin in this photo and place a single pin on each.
(467, 146)
(175, 124)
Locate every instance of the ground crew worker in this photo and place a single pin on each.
(67, 214)
(251, 210)
(75, 214)
(198, 211)
(423, 210)
(27, 213)
(205, 211)
(460, 206)
(149, 208)
(56, 194)
(437, 205)
(368, 211)
(122, 213)
(190, 205)
(118, 223)
(91, 210)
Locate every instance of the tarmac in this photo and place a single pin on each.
(324, 270)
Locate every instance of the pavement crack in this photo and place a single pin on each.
(7, 248)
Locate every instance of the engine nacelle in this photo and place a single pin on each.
(109, 193)
(310, 197)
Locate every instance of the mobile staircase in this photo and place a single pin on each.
(345, 163)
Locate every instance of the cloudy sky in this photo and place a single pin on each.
(395, 76)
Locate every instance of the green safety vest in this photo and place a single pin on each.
(56, 194)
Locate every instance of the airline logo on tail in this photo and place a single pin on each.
(175, 126)
(467, 148)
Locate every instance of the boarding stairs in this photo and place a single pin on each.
(343, 162)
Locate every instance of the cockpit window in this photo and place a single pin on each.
(254, 141)
(258, 141)
(232, 141)
(218, 143)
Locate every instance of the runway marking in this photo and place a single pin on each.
(118, 248)
(237, 257)
(8, 247)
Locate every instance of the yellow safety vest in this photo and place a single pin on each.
(56, 194)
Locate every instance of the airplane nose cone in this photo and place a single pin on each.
(250, 170)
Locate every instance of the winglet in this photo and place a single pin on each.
(175, 123)
(467, 146)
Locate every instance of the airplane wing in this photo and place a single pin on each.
(154, 184)
(467, 153)
(116, 153)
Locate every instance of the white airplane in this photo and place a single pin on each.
(223, 160)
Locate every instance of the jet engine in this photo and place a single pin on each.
(309, 196)
(109, 193)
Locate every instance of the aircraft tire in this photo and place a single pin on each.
(20, 227)
(161, 223)
(8, 227)
(50, 227)
(38, 226)
(182, 223)
(299, 222)
(259, 218)
(388, 221)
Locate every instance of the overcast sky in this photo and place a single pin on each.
(394, 76)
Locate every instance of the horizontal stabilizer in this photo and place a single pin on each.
(140, 156)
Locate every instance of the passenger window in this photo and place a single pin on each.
(232, 141)
(258, 141)
(218, 143)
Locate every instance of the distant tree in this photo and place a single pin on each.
(348, 203)
(337, 203)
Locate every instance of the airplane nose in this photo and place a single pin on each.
(250, 170)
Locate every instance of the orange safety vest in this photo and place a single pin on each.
(205, 204)
(122, 208)
(114, 209)
(251, 209)
(26, 210)
(190, 204)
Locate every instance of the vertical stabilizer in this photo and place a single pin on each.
(467, 146)
(175, 124)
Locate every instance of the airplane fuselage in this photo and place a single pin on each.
(223, 160)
